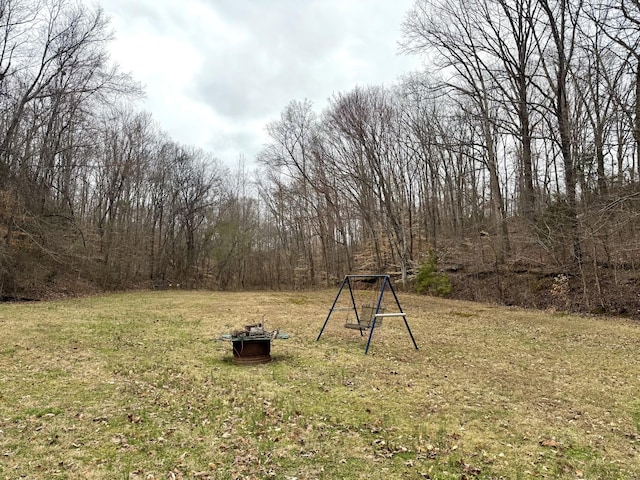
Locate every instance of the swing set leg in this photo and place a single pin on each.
(406, 324)
(373, 324)
(346, 279)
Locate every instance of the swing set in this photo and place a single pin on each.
(367, 316)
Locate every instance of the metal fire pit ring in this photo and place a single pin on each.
(252, 344)
(251, 351)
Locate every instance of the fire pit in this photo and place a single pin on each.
(252, 344)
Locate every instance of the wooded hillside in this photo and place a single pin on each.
(510, 164)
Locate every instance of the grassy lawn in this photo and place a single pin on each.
(135, 386)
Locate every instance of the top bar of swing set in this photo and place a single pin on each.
(386, 281)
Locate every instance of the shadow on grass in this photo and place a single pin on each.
(279, 358)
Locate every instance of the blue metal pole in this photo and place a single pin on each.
(373, 324)
(404, 317)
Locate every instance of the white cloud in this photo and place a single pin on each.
(217, 71)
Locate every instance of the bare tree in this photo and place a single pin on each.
(197, 187)
(376, 168)
(54, 69)
(561, 28)
(620, 21)
(450, 31)
(599, 83)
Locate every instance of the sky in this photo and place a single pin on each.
(215, 72)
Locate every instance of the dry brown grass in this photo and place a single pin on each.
(135, 386)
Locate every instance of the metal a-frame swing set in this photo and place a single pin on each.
(369, 316)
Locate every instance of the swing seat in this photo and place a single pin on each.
(358, 326)
(367, 314)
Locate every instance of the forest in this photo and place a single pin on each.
(505, 171)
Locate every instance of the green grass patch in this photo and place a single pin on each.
(136, 386)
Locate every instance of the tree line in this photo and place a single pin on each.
(92, 192)
(516, 148)
(518, 144)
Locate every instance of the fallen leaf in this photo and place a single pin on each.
(549, 442)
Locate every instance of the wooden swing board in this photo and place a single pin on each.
(363, 325)
(355, 326)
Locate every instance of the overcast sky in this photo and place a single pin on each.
(217, 71)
